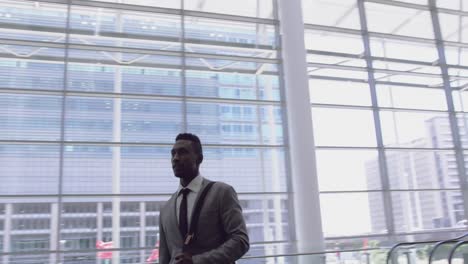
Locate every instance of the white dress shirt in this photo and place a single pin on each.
(195, 187)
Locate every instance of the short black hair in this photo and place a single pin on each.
(196, 143)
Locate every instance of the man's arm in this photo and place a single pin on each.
(164, 255)
(237, 242)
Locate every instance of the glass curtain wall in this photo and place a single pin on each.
(388, 84)
(92, 95)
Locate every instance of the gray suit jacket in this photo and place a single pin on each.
(221, 237)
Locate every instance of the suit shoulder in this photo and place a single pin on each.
(222, 186)
(167, 205)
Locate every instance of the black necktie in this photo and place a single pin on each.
(183, 219)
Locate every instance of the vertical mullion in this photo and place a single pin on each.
(387, 199)
(450, 106)
(62, 135)
(183, 74)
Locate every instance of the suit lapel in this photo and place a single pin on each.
(173, 222)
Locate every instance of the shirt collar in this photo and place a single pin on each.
(194, 186)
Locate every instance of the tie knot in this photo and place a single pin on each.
(185, 191)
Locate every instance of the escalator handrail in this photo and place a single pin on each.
(452, 252)
(433, 250)
(390, 252)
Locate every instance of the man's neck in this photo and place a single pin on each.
(186, 181)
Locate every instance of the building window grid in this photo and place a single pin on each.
(373, 71)
(70, 210)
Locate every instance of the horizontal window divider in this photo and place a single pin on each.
(172, 53)
(333, 29)
(136, 64)
(390, 190)
(343, 79)
(127, 195)
(161, 10)
(400, 4)
(425, 190)
(357, 32)
(441, 230)
(410, 84)
(33, 43)
(340, 106)
(383, 148)
(14, 91)
(129, 144)
(418, 6)
(378, 70)
(345, 148)
(383, 59)
(364, 107)
(401, 109)
(350, 191)
(132, 36)
(359, 236)
(330, 78)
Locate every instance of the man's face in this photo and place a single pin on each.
(184, 159)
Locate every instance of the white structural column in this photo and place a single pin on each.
(301, 141)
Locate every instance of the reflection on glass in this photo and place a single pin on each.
(84, 222)
(422, 169)
(30, 117)
(23, 164)
(426, 210)
(416, 129)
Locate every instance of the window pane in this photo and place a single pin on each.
(114, 22)
(331, 13)
(426, 210)
(408, 97)
(456, 56)
(236, 124)
(454, 27)
(405, 50)
(159, 3)
(336, 92)
(114, 79)
(456, 5)
(422, 169)
(261, 8)
(343, 127)
(416, 129)
(367, 214)
(37, 75)
(335, 42)
(229, 32)
(399, 21)
(357, 170)
(28, 16)
(462, 119)
(251, 85)
(30, 117)
(23, 164)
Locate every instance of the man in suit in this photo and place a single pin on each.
(221, 235)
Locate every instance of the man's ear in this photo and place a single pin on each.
(200, 159)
